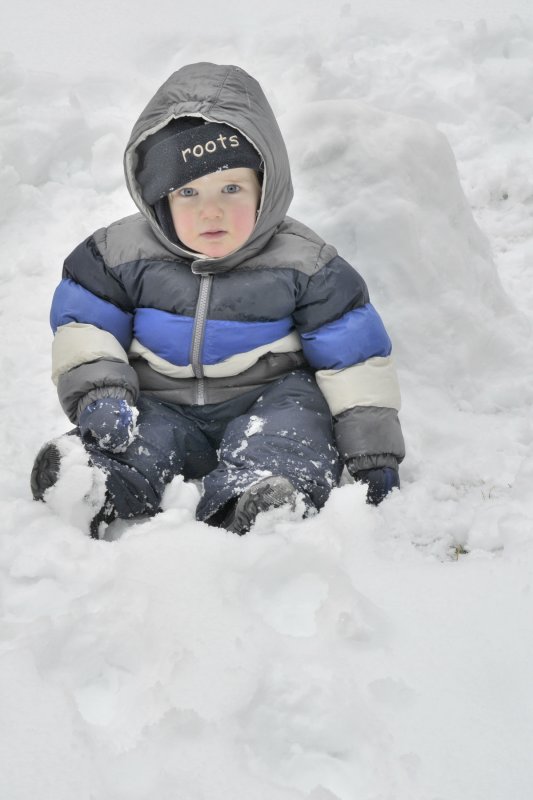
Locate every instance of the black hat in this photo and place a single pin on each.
(186, 149)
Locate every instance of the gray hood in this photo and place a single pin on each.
(218, 93)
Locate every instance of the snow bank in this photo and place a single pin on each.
(390, 196)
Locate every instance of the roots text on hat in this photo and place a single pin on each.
(188, 148)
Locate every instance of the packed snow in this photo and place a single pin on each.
(360, 654)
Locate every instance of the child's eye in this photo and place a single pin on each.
(187, 191)
(231, 188)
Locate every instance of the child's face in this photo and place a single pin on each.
(214, 215)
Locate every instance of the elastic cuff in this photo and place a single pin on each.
(116, 392)
(371, 461)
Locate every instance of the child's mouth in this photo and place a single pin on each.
(213, 234)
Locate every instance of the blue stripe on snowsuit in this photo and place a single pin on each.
(169, 335)
(356, 336)
(73, 303)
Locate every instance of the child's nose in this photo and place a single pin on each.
(211, 209)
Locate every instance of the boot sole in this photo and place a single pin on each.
(268, 493)
(45, 470)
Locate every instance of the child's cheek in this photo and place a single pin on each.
(244, 220)
(183, 222)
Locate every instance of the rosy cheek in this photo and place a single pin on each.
(182, 221)
(244, 220)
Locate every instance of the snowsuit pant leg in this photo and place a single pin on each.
(168, 443)
(287, 431)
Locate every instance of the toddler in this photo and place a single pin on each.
(212, 336)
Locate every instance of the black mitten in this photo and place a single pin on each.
(379, 480)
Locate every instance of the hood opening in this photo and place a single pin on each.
(222, 95)
(160, 207)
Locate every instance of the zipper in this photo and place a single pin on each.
(198, 335)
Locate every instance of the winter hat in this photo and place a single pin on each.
(186, 149)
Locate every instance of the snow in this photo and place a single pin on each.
(255, 425)
(80, 490)
(361, 653)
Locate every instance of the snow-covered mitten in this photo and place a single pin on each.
(379, 480)
(110, 422)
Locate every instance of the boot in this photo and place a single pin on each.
(271, 492)
(65, 479)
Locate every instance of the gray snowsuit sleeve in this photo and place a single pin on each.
(91, 318)
(345, 341)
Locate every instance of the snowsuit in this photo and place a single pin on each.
(270, 360)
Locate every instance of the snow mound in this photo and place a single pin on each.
(389, 195)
